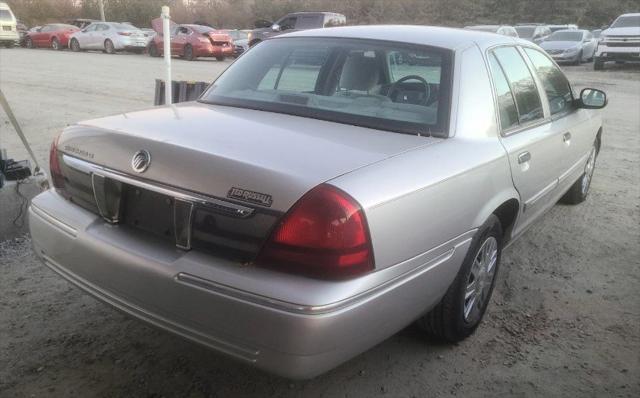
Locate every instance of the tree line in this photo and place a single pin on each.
(243, 13)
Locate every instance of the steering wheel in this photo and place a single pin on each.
(427, 88)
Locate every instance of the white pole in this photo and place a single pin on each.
(166, 39)
(102, 10)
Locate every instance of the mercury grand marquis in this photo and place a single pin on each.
(330, 188)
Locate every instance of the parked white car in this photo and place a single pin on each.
(620, 42)
(109, 37)
(8, 30)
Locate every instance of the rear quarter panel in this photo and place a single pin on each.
(425, 197)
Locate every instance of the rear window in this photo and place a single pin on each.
(388, 86)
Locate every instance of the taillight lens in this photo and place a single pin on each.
(54, 165)
(324, 235)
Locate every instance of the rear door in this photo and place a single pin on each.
(527, 135)
(574, 127)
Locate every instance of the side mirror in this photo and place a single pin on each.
(276, 28)
(592, 98)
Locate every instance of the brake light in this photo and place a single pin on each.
(324, 235)
(54, 165)
(124, 33)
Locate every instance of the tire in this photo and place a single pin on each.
(29, 43)
(55, 44)
(220, 58)
(459, 313)
(598, 64)
(74, 45)
(138, 51)
(109, 47)
(188, 53)
(153, 50)
(580, 189)
(578, 60)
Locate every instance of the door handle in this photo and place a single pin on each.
(566, 137)
(524, 157)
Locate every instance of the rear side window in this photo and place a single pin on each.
(309, 22)
(522, 84)
(506, 103)
(555, 83)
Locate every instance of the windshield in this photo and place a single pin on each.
(565, 36)
(387, 86)
(525, 31)
(627, 22)
(5, 14)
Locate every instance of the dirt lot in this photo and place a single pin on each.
(564, 320)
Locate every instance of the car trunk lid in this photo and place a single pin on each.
(237, 158)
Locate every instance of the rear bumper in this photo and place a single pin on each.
(189, 293)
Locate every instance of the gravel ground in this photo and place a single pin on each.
(564, 319)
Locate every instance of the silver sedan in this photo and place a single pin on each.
(331, 188)
(110, 37)
(570, 45)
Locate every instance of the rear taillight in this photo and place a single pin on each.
(324, 235)
(54, 165)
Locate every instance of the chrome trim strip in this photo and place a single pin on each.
(576, 165)
(225, 290)
(89, 168)
(66, 228)
(541, 194)
(249, 354)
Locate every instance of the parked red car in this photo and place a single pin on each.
(192, 41)
(54, 35)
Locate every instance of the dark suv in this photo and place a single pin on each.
(295, 21)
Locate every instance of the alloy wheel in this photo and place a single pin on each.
(480, 280)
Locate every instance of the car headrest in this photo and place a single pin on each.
(359, 72)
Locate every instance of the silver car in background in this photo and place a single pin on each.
(571, 45)
(330, 188)
(499, 29)
(109, 37)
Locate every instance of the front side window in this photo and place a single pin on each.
(387, 86)
(288, 23)
(555, 83)
(522, 84)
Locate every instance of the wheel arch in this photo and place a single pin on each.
(599, 140)
(506, 207)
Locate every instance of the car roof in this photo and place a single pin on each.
(632, 14)
(448, 38)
